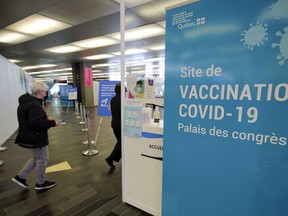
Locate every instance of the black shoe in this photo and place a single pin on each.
(45, 185)
(110, 163)
(20, 181)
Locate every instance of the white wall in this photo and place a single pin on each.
(13, 83)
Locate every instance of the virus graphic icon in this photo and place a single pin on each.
(255, 35)
(283, 46)
(279, 9)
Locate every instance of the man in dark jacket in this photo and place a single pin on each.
(33, 121)
(115, 105)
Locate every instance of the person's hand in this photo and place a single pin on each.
(58, 123)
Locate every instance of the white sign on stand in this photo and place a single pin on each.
(72, 94)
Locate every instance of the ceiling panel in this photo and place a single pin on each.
(12, 11)
(75, 12)
(89, 18)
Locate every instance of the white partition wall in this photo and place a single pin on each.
(12, 85)
(142, 162)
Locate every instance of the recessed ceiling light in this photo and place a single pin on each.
(14, 60)
(157, 47)
(38, 25)
(66, 73)
(95, 57)
(43, 79)
(96, 71)
(99, 74)
(38, 66)
(140, 32)
(96, 42)
(103, 65)
(131, 51)
(11, 37)
(51, 74)
(64, 49)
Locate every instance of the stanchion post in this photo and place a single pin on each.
(68, 106)
(85, 129)
(81, 113)
(90, 151)
(98, 130)
(77, 109)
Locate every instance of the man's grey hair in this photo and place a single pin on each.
(36, 87)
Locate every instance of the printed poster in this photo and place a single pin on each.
(106, 92)
(88, 77)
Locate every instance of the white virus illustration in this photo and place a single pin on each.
(279, 9)
(255, 35)
(283, 46)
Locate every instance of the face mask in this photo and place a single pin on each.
(139, 89)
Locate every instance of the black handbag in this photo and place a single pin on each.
(26, 140)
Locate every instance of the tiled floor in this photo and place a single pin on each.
(88, 188)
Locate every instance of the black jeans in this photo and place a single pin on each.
(116, 153)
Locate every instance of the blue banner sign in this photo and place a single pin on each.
(226, 93)
(106, 92)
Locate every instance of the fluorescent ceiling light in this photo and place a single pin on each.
(95, 76)
(64, 49)
(157, 47)
(43, 79)
(51, 74)
(138, 72)
(140, 32)
(11, 37)
(14, 60)
(66, 74)
(131, 51)
(96, 71)
(103, 65)
(29, 67)
(96, 42)
(99, 74)
(39, 66)
(38, 25)
(139, 67)
(38, 72)
(95, 57)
